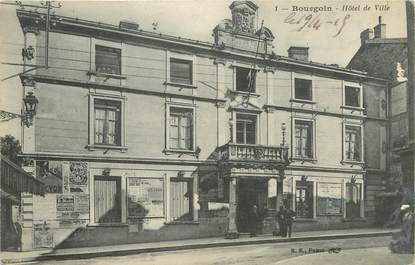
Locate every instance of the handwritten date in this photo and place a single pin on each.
(315, 22)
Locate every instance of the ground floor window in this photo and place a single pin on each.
(353, 199)
(329, 198)
(145, 197)
(181, 199)
(304, 199)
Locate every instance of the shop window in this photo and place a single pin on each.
(303, 89)
(245, 79)
(246, 129)
(181, 128)
(108, 60)
(181, 71)
(303, 139)
(181, 199)
(353, 143)
(304, 199)
(353, 200)
(329, 198)
(352, 96)
(107, 129)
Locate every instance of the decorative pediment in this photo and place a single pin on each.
(241, 32)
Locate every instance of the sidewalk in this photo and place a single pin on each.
(129, 249)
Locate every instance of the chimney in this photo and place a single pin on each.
(298, 53)
(380, 30)
(125, 24)
(366, 35)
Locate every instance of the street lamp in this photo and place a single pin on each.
(283, 130)
(30, 102)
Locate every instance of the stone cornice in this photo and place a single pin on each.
(85, 84)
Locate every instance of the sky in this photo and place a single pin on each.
(332, 34)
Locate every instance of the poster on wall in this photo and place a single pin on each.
(50, 173)
(78, 177)
(65, 203)
(145, 197)
(329, 198)
(81, 203)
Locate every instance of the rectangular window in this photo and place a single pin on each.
(353, 199)
(304, 139)
(181, 128)
(303, 89)
(352, 96)
(108, 60)
(353, 143)
(304, 199)
(107, 127)
(245, 79)
(329, 198)
(181, 199)
(245, 129)
(181, 71)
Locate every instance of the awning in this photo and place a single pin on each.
(14, 180)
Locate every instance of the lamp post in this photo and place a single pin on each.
(30, 103)
(283, 130)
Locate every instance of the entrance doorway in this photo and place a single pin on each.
(250, 191)
(107, 199)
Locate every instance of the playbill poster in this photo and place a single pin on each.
(208, 132)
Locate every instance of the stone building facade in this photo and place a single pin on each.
(141, 136)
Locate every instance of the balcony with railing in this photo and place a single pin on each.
(253, 153)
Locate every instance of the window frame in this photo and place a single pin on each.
(355, 85)
(313, 139)
(257, 127)
(109, 44)
(362, 158)
(361, 200)
(235, 79)
(310, 184)
(342, 198)
(118, 50)
(305, 77)
(292, 183)
(183, 57)
(167, 147)
(177, 60)
(91, 119)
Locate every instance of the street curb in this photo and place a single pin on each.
(51, 256)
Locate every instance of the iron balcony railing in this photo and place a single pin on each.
(252, 152)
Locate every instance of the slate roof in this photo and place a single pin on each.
(378, 57)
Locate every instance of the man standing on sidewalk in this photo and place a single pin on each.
(289, 218)
(281, 222)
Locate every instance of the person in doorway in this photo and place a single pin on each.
(289, 219)
(281, 222)
(263, 213)
(18, 232)
(254, 220)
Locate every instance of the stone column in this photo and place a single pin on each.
(220, 104)
(280, 189)
(232, 229)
